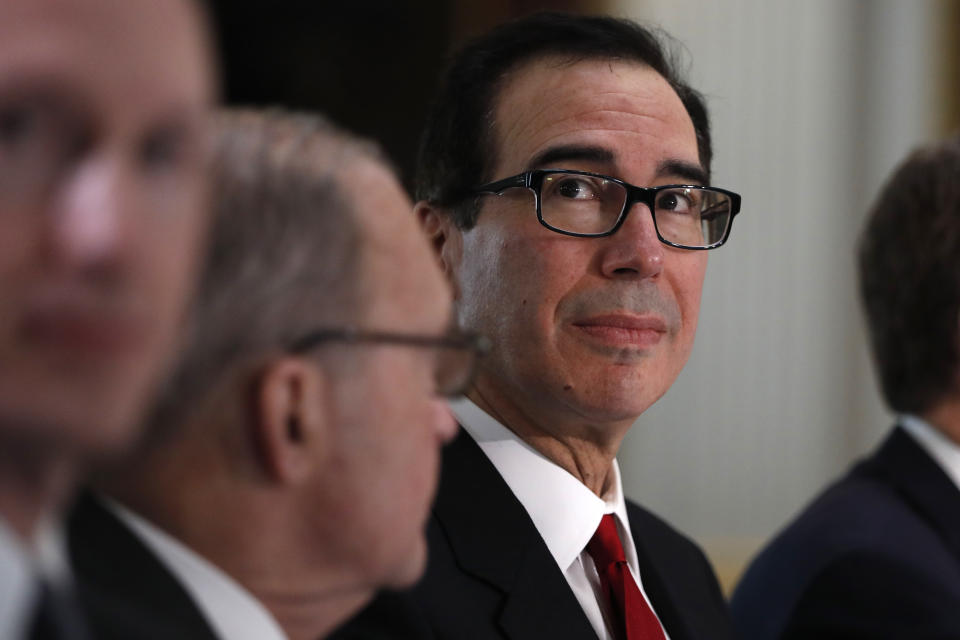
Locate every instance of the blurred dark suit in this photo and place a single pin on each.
(490, 575)
(875, 556)
(127, 592)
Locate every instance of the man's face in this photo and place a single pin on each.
(585, 331)
(392, 422)
(102, 195)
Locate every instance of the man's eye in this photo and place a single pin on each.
(668, 201)
(167, 148)
(36, 141)
(159, 151)
(677, 201)
(576, 189)
(17, 125)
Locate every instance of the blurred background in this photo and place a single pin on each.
(813, 104)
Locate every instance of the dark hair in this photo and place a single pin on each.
(910, 278)
(456, 149)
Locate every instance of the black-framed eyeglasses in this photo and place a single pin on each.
(457, 352)
(591, 205)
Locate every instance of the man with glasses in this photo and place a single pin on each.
(104, 109)
(877, 554)
(295, 449)
(564, 182)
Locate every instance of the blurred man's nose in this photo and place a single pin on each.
(90, 220)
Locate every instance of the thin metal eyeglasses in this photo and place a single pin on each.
(457, 352)
(592, 205)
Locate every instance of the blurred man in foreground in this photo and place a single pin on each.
(103, 130)
(877, 555)
(303, 425)
(564, 180)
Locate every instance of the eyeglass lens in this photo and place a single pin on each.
(576, 203)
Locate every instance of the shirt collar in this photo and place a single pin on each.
(230, 609)
(22, 567)
(565, 512)
(18, 584)
(941, 448)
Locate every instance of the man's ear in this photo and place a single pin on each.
(290, 419)
(445, 238)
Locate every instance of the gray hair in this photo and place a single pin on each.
(285, 247)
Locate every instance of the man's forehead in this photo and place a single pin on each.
(83, 42)
(92, 19)
(554, 103)
(598, 155)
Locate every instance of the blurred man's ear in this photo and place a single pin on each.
(445, 239)
(291, 424)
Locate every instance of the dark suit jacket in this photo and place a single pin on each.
(877, 555)
(126, 591)
(490, 574)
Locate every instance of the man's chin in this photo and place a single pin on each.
(610, 399)
(86, 431)
(409, 568)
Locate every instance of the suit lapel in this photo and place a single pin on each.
(656, 583)
(922, 483)
(494, 540)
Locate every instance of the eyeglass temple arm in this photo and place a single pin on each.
(311, 340)
(498, 187)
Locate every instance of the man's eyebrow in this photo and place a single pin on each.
(687, 171)
(571, 152)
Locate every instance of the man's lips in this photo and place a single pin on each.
(76, 330)
(624, 330)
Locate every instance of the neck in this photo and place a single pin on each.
(34, 484)
(314, 616)
(179, 485)
(307, 593)
(306, 605)
(583, 448)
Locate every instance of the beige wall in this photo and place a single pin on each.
(813, 103)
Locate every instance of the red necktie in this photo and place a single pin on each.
(635, 617)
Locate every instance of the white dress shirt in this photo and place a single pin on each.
(230, 609)
(22, 568)
(564, 510)
(941, 448)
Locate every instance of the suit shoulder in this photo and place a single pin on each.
(859, 522)
(391, 614)
(857, 514)
(660, 535)
(866, 593)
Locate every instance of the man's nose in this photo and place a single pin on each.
(89, 223)
(634, 251)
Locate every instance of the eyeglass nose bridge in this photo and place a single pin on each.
(638, 195)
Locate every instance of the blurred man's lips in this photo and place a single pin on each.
(624, 330)
(80, 331)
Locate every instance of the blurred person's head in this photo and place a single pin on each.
(909, 260)
(298, 440)
(103, 108)
(587, 332)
